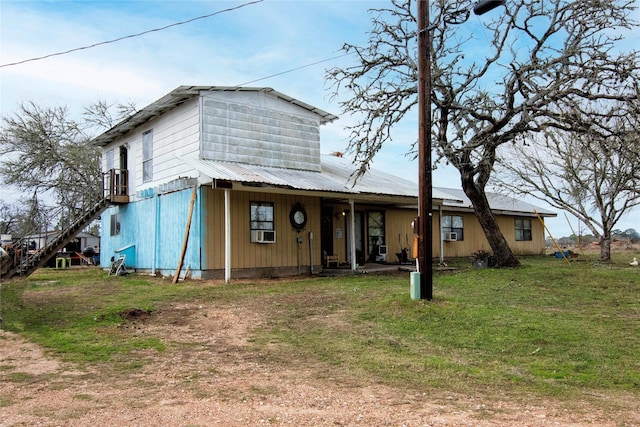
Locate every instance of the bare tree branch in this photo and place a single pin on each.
(546, 64)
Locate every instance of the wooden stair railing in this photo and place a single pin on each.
(36, 260)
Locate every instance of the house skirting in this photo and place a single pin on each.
(259, 273)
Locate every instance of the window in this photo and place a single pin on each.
(523, 229)
(109, 160)
(262, 216)
(147, 156)
(375, 229)
(115, 224)
(453, 224)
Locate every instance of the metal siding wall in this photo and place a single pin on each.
(213, 228)
(399, 233)
(535, 246)
(398, 222)
(247, 255)
(255, 134)
(474, 239)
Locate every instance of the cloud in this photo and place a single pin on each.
(256, 41)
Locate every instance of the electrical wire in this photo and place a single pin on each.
(132, 35)
(295, 69)
(174, 25)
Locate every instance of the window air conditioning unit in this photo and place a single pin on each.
(451, 237)
(263, 236)
(382, 254)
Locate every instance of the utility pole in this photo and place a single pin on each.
(425, 180)
(425, 184)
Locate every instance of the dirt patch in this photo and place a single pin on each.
(135, 314)
(211, 375)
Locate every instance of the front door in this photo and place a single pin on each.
(122, 181)
(326, 231)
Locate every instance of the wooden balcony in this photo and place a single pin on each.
(116, 186)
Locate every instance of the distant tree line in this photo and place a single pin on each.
(630, 236)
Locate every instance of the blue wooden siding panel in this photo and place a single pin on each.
(156, 226)
(174, 211)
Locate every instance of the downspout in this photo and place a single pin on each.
(352, 226)
(227, 235)
(201, 228)
(311, 252)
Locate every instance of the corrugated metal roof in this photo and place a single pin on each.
(376, 181)
(279, 177)
(372, 182)
(337, 176)
(497, 201)
(184, 93)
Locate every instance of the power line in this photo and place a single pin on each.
(295, 69)
(132, 35)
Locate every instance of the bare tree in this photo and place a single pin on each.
(45, 151)
(103, 115)
(543, 58)
(23, 217)
(10, 217)
(590, 174)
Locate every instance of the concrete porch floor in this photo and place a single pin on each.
(372, 268)
(345, 270)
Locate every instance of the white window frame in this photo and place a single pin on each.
(147, 156)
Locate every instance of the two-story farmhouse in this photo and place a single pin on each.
(232, 181)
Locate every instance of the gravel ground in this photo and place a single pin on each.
(208, 376)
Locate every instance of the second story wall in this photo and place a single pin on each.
(260, 129)
(173, 133)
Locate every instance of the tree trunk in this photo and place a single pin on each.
(499, 246)
(605, 248)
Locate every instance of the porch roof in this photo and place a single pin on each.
(336, 177)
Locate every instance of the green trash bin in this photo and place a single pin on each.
(415, 286)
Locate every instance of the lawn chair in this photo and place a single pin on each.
(117, 266)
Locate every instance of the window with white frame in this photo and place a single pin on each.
(109, 159)
(262, 217)
(147, 156)
(453, 224)
(115, 224)
(523, 229)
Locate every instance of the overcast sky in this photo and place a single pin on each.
(262, 44)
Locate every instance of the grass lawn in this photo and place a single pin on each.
(548, 328)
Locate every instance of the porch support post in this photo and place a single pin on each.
(441, 239)
(227, 235)
(352, 233)
(154, 261)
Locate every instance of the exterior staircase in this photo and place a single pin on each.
(115, 186)
(31, 262)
